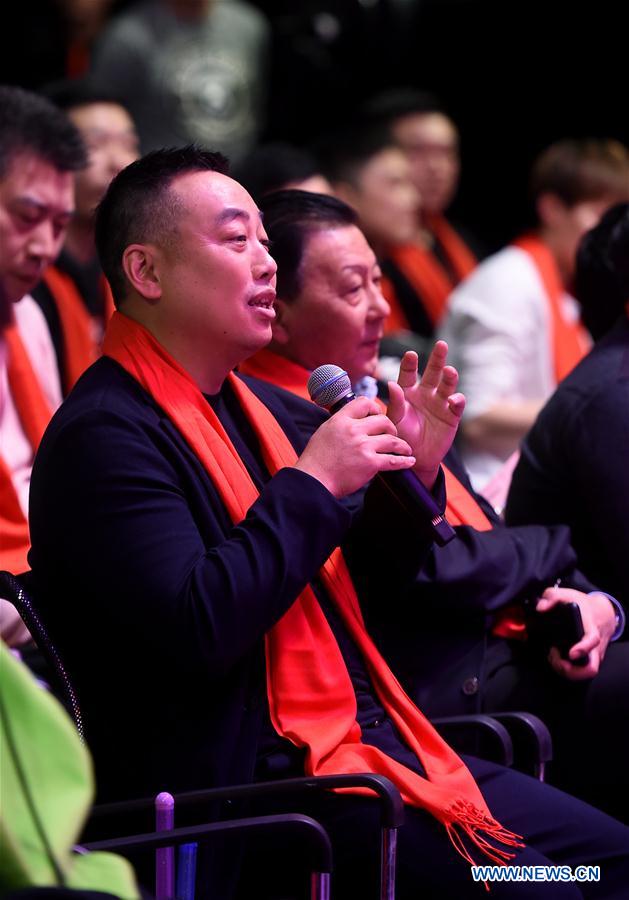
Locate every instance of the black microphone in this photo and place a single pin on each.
(329, 386)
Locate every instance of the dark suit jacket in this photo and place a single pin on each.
(574, 466)
(157, 602)
(436, 636)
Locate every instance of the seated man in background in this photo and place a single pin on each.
(424, 272)
(512, 325)
(40, 150)
(458, 643)
(277, 165)
(574, 462)
(183, 505)
(74, 295)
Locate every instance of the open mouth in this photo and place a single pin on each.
(264, 300)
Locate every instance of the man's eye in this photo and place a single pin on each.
(28, 216)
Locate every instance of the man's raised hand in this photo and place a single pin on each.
(426, 411)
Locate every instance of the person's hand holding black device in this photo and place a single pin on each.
(574, 628)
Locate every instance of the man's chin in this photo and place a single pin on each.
(256, 344)
(16, 288)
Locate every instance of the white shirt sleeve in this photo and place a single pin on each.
(497, 328)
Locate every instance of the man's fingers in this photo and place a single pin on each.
(588, 642)
(389, 443)
(456, 402)
(397, 402)
(449, 380)
(574, 673)
(393, 462)
(547, 601)
(378, 424)
(360, 408)
(435, 365)
(409, 364)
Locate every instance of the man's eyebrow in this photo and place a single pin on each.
(227, 215)
(25, 200)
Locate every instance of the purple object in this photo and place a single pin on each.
(165, 857)
(186, 871)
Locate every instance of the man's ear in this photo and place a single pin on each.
(281, 323)
(550, 210)
(138, 262)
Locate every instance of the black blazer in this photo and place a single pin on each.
(436, 634)
(574, 466)
(158, 603)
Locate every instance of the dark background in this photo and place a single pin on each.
(515, 76)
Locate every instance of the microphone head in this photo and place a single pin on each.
(328, 384)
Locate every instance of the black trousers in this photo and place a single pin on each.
(557, 829)
(589, 720)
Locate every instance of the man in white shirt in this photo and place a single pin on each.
(512, 326)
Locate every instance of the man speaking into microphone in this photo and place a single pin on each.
(224, 575)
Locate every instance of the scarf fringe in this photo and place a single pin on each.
(468, 820)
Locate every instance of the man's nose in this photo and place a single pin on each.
(45, 242)
(378, 306)
(264, 266)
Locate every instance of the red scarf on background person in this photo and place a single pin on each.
(569, 341)
(462, 509)
(426, 275)
(461, 506)
(270, 366)
(34, 414)
(79, 346)
(311, 697)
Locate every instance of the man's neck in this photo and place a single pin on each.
(550, 240)
(205, 368)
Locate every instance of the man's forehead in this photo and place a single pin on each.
(344, 247)
(33, 177)
(218, 194)
(434, 125)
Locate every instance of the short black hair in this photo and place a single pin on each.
(290, 217)
(29, 123)
(602, 270)
(395, 103)
(344, 154)
(70, 93)
(138, 205)
(580, 169)
(270, 167)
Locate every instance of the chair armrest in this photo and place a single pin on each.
(391, 800)
(316, 835)
(477, 734)
(532, 741)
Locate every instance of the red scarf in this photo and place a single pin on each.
(461, 506)
(269, 366)
(462, 509)
(425, 273)
(569, 341)
(311, 696)
(34, 414)
(109, 307)
(80, 349)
